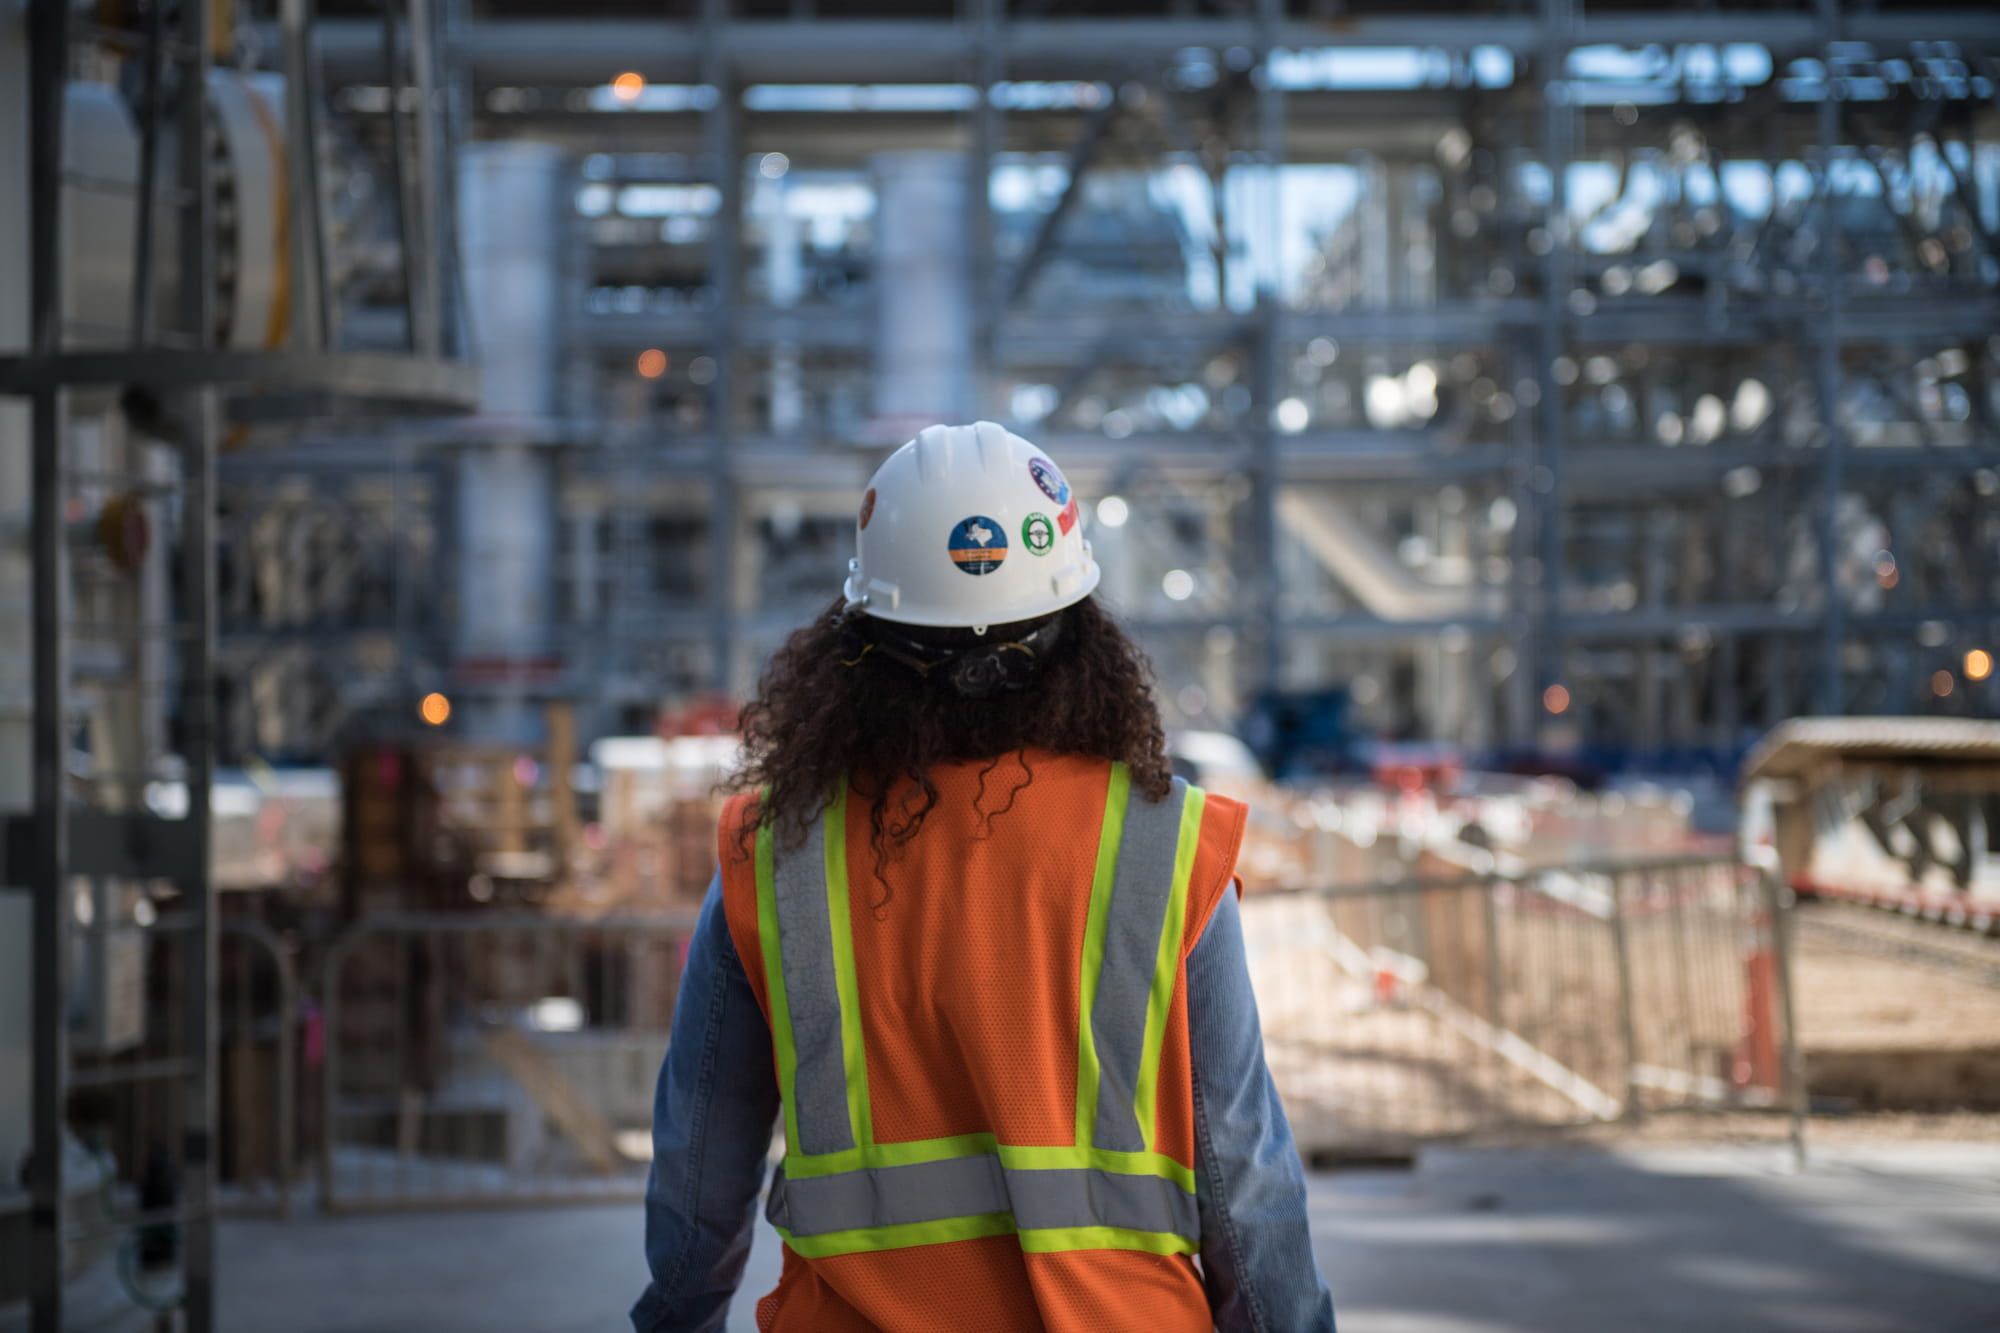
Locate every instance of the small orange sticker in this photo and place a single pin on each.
(867, 506)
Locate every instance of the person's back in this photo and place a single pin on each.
(970, 953)
(988, 966)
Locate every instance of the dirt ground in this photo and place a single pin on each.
(1850, 998)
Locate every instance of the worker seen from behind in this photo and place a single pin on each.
(979, 950)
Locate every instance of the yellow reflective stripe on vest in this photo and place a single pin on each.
(840, 1192)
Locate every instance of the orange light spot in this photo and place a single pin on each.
(1941, 683)
(652, 363)
(627, 86)
(1978, 664)
(435, 709)
(1556, 698)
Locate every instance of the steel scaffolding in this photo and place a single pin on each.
(1681, 597)
(175, 381)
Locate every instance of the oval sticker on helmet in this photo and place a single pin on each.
(978, 545)
(1049, 479)
(1038, 534)
(867, 507)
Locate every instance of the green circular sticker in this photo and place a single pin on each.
(1038, 534)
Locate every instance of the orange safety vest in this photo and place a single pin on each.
(981, 1042)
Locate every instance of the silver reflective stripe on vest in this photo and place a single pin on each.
(1039, 1200)
(805, 948)
(1132, 925)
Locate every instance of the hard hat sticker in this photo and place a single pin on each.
(1049, 479)
(978, 545)
(1038, 534)
(1067, 518)
(867, 508)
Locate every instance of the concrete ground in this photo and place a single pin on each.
(1872, 1239)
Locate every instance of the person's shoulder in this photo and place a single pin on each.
(1223, 819)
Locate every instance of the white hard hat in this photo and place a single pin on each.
(968, 526)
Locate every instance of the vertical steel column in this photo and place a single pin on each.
(1546, 477)
(723, 150)
(420, 263)
(48, 68)
(408, 225)
(198, 1098)
(149, 173)
(454, 115)
(1829, 694)
(311, 329)
(988, 139)
(198, 973)
(1521, 352)
(1268, 352)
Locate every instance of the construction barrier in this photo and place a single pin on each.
(1439, 1007)
(261, 1020)
(476, 1059)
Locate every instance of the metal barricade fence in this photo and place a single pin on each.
(492, 1059)
(486, 1060)
(259, 1027)
(1396, 1013)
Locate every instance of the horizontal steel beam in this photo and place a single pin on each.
(398, 382)
(627, 464)
(1030, 338)
(590, 51)
(101, 842)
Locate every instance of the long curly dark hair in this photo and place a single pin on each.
(828, 707)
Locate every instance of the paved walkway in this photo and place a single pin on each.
(1870, 1240)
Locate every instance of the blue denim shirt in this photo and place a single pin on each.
(718, 1101)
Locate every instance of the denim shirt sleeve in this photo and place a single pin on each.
(1256, 1251)
(712, 1120)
